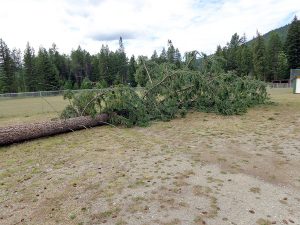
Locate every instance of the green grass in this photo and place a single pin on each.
(31, 106)
(30, 109)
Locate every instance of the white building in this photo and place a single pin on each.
(295, 79)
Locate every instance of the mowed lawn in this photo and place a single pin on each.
(202, 169)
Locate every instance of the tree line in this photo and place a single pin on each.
(265, 60)
(48, 69)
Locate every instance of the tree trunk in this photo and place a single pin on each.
(18, 133)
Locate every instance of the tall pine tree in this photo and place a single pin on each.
(121, 63)
(18, 69)
(259, 58)
(231, 52)
(283, 67)
(170, 52)
(30, 75)
(48, 73)
(274, 48)
(163, 56)
(245, 66)
(293, 44)
(177, 58)
(61, 63)
(132, 71)
(154, 56)
(7, 75)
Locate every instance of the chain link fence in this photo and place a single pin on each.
(41, 93)
(280, 85)
(26, 104)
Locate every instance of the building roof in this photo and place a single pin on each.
(294, 73)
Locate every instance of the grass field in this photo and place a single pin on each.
(30, 109)
(202, 169)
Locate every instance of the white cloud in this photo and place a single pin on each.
(145, 25)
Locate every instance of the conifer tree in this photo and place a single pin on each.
(170, 52)
(219, 51)
(163, 56)
(283, 67)
(154, 56)
(293, 44)
(132, 71)
(274, 47)
(48, 73)
(121, 63)
(177, 58)
(87, 65)
(104, 66)
(244, 60)
(7, 75)
(30, 75)
(141, 74)
(18, 70)
(61, 64)
(231, 54)
(78, 67)
(95, 74)
(259, 58)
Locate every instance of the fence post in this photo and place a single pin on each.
(42, 101)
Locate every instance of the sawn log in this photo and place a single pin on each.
(18, 133)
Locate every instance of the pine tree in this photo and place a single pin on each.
(163, 56)
(259, 58)
(7, 75)
(95, 73)
(61, 64)
(219, 51)
(244, 60)
(274, 47)
(78, 65)
(293, 44)
(177, 58)
(121, 46)
(132, 71)
(141, 74)
(283, 67)
(231, 52)
(121, 64)
(87, 65)
(104, 75)
(154, 56)
(30, 75)
(48, 79)
(18, 69)
(170, 52)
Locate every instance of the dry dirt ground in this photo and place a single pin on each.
(202, 169)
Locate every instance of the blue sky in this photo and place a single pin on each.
(144, 25)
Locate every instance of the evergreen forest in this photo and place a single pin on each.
(267, 57)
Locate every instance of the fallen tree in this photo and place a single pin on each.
(169, 93)
(24, 132)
